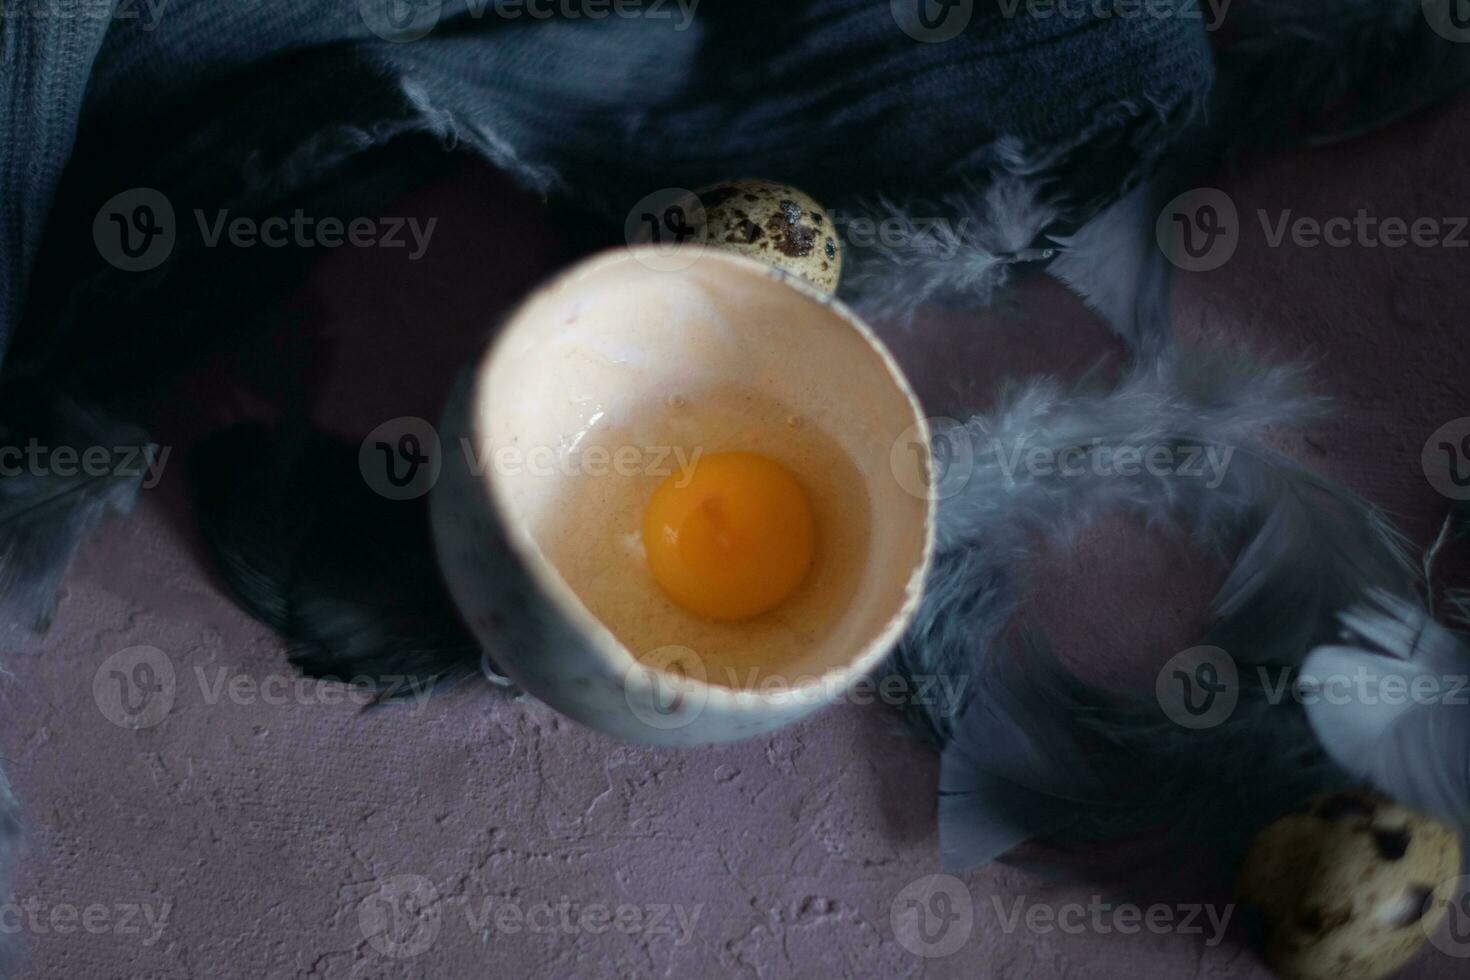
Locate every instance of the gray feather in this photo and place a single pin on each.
(967, 602)
(1036, 752)
(958, 249)
(1212, 400)
(1115, 265)
(1041, 755)
(1411, 739)
(44, 514)
(990, 799)
(1318, 547)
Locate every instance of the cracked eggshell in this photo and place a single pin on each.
(1350, 887)
(723, 353)
(776, 224)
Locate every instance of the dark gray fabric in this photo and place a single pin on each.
(250, 106)
(44, 65)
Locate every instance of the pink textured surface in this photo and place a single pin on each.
(263, 827)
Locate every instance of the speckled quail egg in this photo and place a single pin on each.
(776, 224)
(1350, 887)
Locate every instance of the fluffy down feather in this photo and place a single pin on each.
(1389, 704)
(1036, 752)
(956, 250)
(46, 511)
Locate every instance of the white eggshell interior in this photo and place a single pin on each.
(618, 376)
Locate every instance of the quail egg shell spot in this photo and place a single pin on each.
(776, 224)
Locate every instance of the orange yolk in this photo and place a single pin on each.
(731, 539)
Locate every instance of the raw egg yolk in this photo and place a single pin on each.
(731, 538)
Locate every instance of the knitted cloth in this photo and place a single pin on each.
(266, 105)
